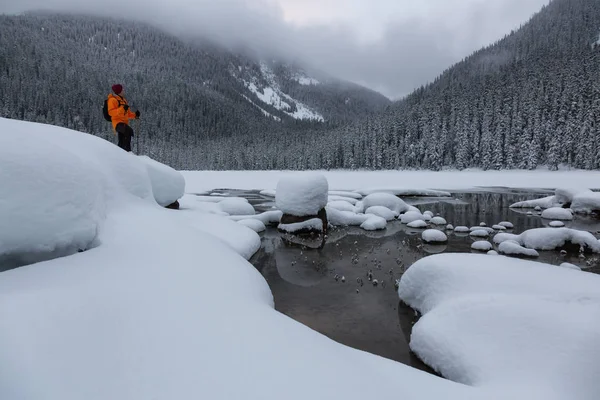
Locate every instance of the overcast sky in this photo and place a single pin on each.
(392, 46)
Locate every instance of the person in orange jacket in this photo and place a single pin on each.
(120, 114)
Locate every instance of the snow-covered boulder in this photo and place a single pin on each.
(418, 224)
(345, 218)
(482, 233)
(438, 221)
(387, 200)
(546, 239)
(556, 224)
(302, 195)
(254, 224)
(341, 205)
(512, 248)
(168, 185)
(449, 227)
(586, 202)
(489, 230)
(487, 322)
(429, 213)
(482, 245)
(374, 223)
(236, 206)
(411, 216)
(382, 212)
(507, 224)
(499, 228)
(462, 229)
(433, 236)
(558, 214)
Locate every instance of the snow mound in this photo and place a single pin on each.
(236, 206)
(374, 223)
(450, 227)
(418, 224)
(267, 218)
(480, 233)
(438, 221)
(462, 229)
(345, 218)
(499, 228)
(557, 213)
(556, 224)
(254, 224)
(386, 200)
(512, 248)
(434, 236)
(405, 192)
(341, 205)
(546, 239)
(570, 266)
(586, 202)
(302, 195)
(489, 230)
(411, 216)
(482, 245)
(494, 322)
(566, 195)
(382, 212)
(311, 225)
(546, 202)
(506, 224)
(429, 213)
(168, 185)
(492, 253)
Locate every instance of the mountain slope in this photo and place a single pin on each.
(58, 69)
(530, 99)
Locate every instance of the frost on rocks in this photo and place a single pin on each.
(387, 200)
(411, 216)
(374, 223)
(434, 236)
(495, 322)
(302, 195)
(341, 206)
(558, 214)
(512, 248)
(418, 224)
(254, 224)
(546, 239)
(462, 229)
(236, 206)
(556, 224)
(482, 245)
(480, 233)
(382, 212)
(438, 221)
(311, 225)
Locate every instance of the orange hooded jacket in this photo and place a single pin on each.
(117, 111)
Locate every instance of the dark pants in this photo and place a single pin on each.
(124, 133)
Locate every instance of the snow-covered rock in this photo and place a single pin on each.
(586, 202)
(434, 236)
(499, 228)
(482, 224)
(341, 205)
(489, 230)
(462, 229)
(492, 253)
(302, 195)
(382, 212)
(482, 233)
(570, 266)
(556, 224)
(546, 202)
(429, 213)
(254, 224)
(267, 217)
(374, 223)
(411, 216)
(438, 221)
(566, 195)
(482, 245)
(417, 224)
(237, 206)
(493, 322)
(558, 214)
(310, 225)
(512, 248)
(168, 185)
(546, 239)
(387, 200)
(345, 218)
(506, 224)
(449, 227)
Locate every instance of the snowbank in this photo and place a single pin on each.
(510, 325)
(387, 200)
(382, 212)
(168, 185)
(434, 236)
(586, 202)
(302, 195)
(558, 213)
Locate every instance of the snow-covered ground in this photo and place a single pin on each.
(201, 181)
(162, 307)
(517, 327)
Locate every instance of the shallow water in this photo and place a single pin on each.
(326, 285)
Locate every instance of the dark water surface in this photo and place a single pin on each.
(330, 286)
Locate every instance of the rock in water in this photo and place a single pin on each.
(302, 199)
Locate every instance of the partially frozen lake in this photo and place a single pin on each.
(329, 286)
